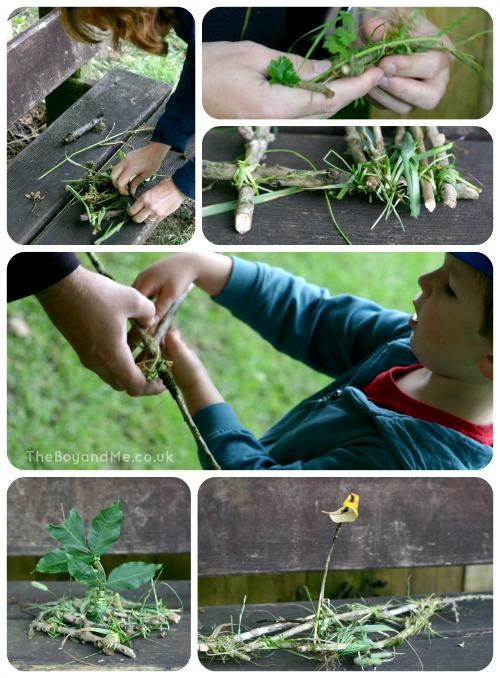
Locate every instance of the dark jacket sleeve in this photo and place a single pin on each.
(31, 272)
(177, 124)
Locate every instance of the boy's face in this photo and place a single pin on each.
(448, 316)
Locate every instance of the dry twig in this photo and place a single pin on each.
(256, 143)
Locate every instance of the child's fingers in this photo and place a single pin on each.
(172, 343)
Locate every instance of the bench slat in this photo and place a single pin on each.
(44, 653)
(264, 525)
(462, 646)
(38, 60)
(125, 99)
(155, 512)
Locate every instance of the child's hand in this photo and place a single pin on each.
(413, 81)
(189, 373)
(167, 279)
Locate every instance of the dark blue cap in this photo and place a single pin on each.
(477, 260)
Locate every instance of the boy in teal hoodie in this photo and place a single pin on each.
(410, 392)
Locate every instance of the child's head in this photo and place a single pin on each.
(453, 322)
(145, 27)
(482, 269)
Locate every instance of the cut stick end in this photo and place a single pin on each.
(430, 205)
(243, 223)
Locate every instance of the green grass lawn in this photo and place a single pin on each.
(56, 407)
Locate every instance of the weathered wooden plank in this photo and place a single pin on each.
(258, 525)
(38, 60)
(304, 218)
(466, 645)
(66, 227)
(126, 100)
(43, 653)
(156, 512)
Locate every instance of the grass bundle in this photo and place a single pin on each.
(100, 200)
(369, 634)
(121, 621)
(403, 173)
(340, 38)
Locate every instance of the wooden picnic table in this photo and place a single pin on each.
(466, 645)
(128, 102)
(43, 653)
(303, 219)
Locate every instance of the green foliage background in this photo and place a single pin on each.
(54, 404)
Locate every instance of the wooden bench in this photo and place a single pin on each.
(268, 526)
(155, 528)
(303, 219)
(127, 101)
(41, 64)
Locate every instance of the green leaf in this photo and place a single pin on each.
(105, 529)
(339, 42)
(282, 72)
(131, 575)
(80, 568)
(54, 561)
(39, 585)
(71, 532)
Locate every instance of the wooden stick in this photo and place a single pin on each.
(84, 636)
(353, 139)
(355, 146)
(110, 214)
(86, 127)
(166, 321)
(379, 143)
(276, 176)
(325, 574)
(399, 136)
(425, 185)
(387, 611)
(256, 143)
(448, 192)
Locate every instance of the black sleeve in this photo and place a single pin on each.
(31, 272)
(265, 25)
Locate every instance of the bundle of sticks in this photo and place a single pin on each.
(415, 166)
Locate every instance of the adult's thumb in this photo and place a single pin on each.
(141, 309)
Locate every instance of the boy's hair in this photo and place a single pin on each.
(482, 268)
(486, 285)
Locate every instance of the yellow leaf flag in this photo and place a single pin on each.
(349, 511)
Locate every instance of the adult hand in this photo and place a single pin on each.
(236, 84)
(157, 203)
(92, 313)
(411, 81)
(137, 166)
